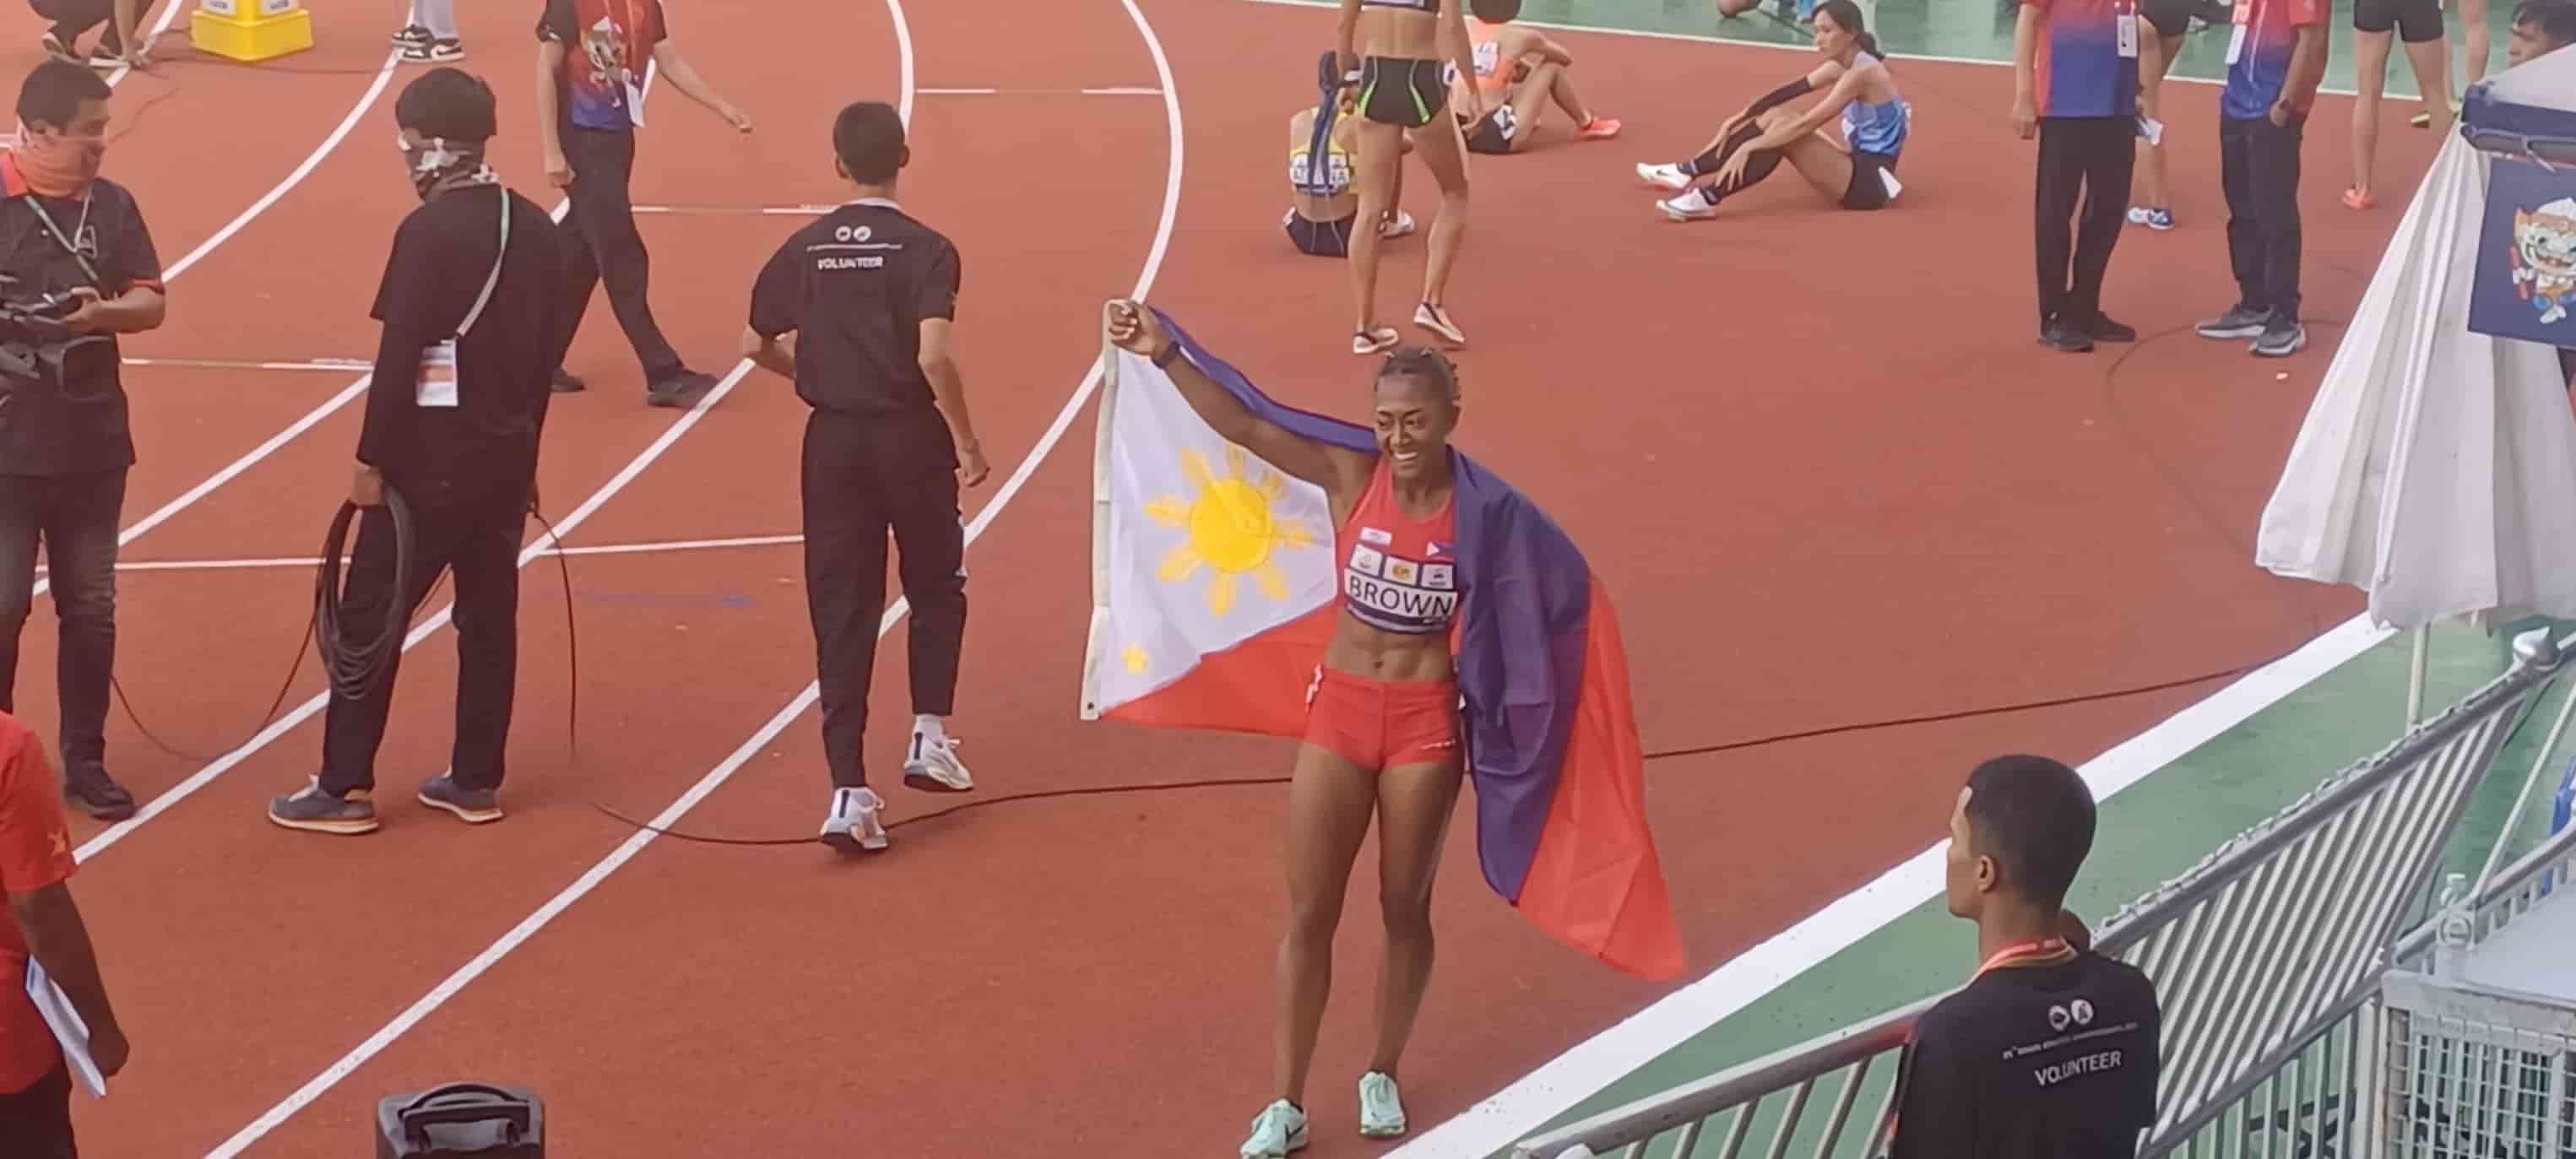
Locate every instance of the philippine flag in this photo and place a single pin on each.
(1213, 598)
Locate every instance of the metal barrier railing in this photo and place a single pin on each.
(2263, 956)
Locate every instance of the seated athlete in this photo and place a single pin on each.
(1323, 207)
(1752, 143)
(1518, 73)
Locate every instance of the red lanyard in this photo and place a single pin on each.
(2019, 952)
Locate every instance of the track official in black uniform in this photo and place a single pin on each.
(856, 308)
(474, 325)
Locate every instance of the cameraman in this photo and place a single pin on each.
(474, 324)
(64, 447)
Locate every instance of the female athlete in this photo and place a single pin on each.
(1400, 93)
(1322, 209)
(1752, 143)
(1382, 725)
(1519, 72)
(2375, 24)
(2163, 24)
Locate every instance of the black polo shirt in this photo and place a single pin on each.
(81, 428)
(855, 287)
(2036, 1062)
(441, 258)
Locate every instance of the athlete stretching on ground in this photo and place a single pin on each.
(1752, 143)
(1519, 72)
(1382, 732)
(1400, 93)
(1322, 210)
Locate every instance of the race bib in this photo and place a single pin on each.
(437, 376)
(1337, 168)
(1887, 178)
(1488, 55)
(1506, 121)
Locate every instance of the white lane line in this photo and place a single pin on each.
(182, 266)
(736, 210)
(1800, 47)
(647, 547)
(206, 776)
(1537, 1099)
(335, 365)
(1110, 91)
(716, 777)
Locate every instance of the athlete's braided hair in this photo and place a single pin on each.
(1427, 364)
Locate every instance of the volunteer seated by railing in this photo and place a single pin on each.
(2050, 1050)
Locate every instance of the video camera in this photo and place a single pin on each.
(33, 338)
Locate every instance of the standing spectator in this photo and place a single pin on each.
(36, 866)
(64, 442)
(431, 36)
(2050, 1050)
(472, 308)
(117, 46)
(2159, 45)
(856, 308)
(2075, 85)
(2275, 62)
(590, 89)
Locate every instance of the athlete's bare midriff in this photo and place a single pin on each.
(1400, 34)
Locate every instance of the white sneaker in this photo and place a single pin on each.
(933, 766)
(1381, 1111)
(853, 824)
(1280, 1129)
(1402, 225)
(1692, 205)
(1668, 176)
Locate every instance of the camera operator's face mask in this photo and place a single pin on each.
(434, 162)
(62, 162)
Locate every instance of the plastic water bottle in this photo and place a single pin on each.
(2451, 936)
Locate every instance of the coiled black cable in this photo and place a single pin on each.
(358, 666)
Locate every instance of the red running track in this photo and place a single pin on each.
(1815, 455)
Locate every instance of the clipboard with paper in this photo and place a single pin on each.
(68, 1028)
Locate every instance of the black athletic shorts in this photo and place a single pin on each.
(1867, 189)
(1493, 132)
(1395, 91)
(1321, 239)
(2168, 17)
(2416, 21)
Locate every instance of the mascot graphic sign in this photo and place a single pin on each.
(2526, 287)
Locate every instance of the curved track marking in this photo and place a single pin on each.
(312, 161)
(716, 777)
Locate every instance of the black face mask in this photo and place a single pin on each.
(443, 164)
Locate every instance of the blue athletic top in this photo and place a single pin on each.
(1877, 128)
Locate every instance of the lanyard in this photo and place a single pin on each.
(37, 204)
(492, 282)
(2037, 949)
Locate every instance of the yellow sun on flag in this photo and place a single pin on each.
(1233, 528)
(1136, 658)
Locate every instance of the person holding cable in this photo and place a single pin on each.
(44, 927)
(70, 240)
(591, 57)
(474, 325)
(856, 309)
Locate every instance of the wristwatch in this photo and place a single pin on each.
(1164, 360)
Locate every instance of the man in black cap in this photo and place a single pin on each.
(474, 325)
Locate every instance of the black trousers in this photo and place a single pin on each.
(36, 1123)
(74, 17)
(471, 531)
(2084, 169)
(75, 517)
(610, 250)
(2259, 165)
(865, 477)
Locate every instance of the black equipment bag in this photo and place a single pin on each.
(462, 1120)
